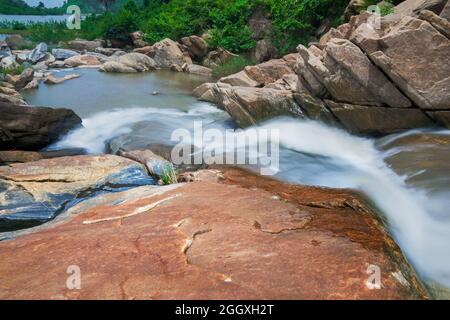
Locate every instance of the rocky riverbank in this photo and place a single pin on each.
(216, 233)
(227, 235)
(373, 75)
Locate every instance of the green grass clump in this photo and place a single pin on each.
(169, 175)
(12, 70)
(233, 65)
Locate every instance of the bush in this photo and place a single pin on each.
(234, 65)
(12, 70)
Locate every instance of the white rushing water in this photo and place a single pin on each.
(313, 154)
(423, 235)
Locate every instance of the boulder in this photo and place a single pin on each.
(378, 120)
(291, 60)
(441, 24)
(33, 84)
(196, 47)
(197, 69)
(332, 34)
(249, 106)
(413, 7)
(167, 53)
(130, 62)
(421, 71)
(48, 59)
(82, 60)
(51, 79)
(144, 50)
(33, 128)
(218, 57)
(36, 192)
(263, 51)
(107, 51)
(24, 78)
(9, 62)
(84, 45)
(269, 71)
(207, 92)
(240, 79)
(15, 41)
(63, 54)
(58, 64)
(227, 235)
(116, 67)
(38, 53)
(11, 91)
(446, 12)
(312, 71)
(138, 39)
(12, 99)
(12, 156)
(315, 108)
(350, 58)
(5, 51)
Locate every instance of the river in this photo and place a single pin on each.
(27, 19)
(406, 176)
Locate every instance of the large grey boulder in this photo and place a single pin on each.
(167, 53)
(33, 128)
(38, 53)
(413, 7)
(63, 54)
(249, 106)
(415, 56)
(130, 62)
(84, 45)
(15, 41)
(196, 47)
(351, 59)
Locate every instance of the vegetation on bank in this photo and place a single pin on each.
(293, 22)
(233, 65)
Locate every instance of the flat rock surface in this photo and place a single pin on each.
(230, 236)
(40, 190)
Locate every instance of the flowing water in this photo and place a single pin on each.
(407, 176)
(27, 19)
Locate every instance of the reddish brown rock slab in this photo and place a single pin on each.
(227, 236)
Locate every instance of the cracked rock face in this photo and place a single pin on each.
(228, 236)
(34, 192)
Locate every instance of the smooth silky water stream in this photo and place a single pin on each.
(407, 176)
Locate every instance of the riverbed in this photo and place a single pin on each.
(406, 176)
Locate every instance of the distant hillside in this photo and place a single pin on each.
(19, 7)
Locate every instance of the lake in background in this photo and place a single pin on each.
(32, 19)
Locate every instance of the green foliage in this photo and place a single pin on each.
(234, 65)
(293, 21)
(119, 25)
(385, 9)
(12, 70)
(169, 175)
(50, 32)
